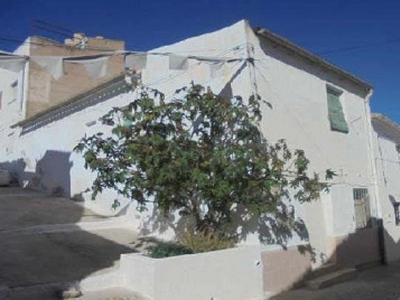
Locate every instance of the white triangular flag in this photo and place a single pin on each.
(135, 61)
(52, 64)
(216, 69)
(12, 64)
(95, 67)
(177, 62)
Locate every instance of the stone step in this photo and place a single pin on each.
(331, 278)
(322, 270)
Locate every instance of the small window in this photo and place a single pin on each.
(335, 109)
(396, 207)
(14, 84)
(362, 213)
(14, 91)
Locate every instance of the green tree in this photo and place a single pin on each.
(201, 155)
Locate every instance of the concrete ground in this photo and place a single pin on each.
(381, 282)
(21, 208)
(36, 264)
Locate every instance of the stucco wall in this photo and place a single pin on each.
(45, 91)
(296, 90)
(227, 274)
(388, 168)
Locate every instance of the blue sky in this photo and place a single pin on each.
(319, 26)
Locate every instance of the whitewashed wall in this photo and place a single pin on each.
(297, 92)
(12, 87)
(388, 170)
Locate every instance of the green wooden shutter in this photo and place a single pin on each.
(336, 115)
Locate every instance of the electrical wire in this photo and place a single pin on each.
(59, 28)
(358, 47)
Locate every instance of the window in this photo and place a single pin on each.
(398, 148)
(396, 206)
(14, 91)
(362, 213)
(335, 109)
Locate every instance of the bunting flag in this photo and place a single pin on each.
(135, 61)
(14, 64)
(216, 69)
(95, 67)
(52, 64)
(177, 62)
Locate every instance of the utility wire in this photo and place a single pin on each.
(59, 28)
(358, 47)
(52, 31)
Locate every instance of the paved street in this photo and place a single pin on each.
(36, 264)
(381, 282)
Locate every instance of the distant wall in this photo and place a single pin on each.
(387, 159)
(45, 91)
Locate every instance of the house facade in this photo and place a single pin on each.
(387, 159)
(314, 105)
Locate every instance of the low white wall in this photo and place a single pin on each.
(227, 274)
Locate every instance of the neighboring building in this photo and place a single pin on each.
(42, 89)
(387, 158)
(315, 106)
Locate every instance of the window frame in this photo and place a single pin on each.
(367, 208)
(331, 90)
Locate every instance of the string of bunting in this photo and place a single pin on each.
(97, 65)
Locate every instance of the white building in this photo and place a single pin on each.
(316, 107)
(387, 158)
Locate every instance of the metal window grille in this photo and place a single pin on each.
(362, 214)
(396, 207)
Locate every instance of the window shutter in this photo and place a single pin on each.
(336, 115)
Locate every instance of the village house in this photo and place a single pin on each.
(314, 105)
(387, 159)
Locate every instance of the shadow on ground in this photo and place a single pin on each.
(39, 253)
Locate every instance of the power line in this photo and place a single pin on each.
(52, 31)
(357, 47)
(59, 28)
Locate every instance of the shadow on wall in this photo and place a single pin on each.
(359, 250)
(51, 175)
(289, 267)
(268, 229)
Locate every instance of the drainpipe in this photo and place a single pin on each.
(372, 160)
(372, 153)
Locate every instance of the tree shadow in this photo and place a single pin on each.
(361, 250)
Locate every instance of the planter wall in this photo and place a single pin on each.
(233, 274)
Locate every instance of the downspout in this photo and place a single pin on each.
(372, 153)
(373, 162)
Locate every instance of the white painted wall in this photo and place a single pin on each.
(226, 274)
(388, 168)
(297, 92)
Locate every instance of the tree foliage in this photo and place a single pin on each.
(201, 155)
